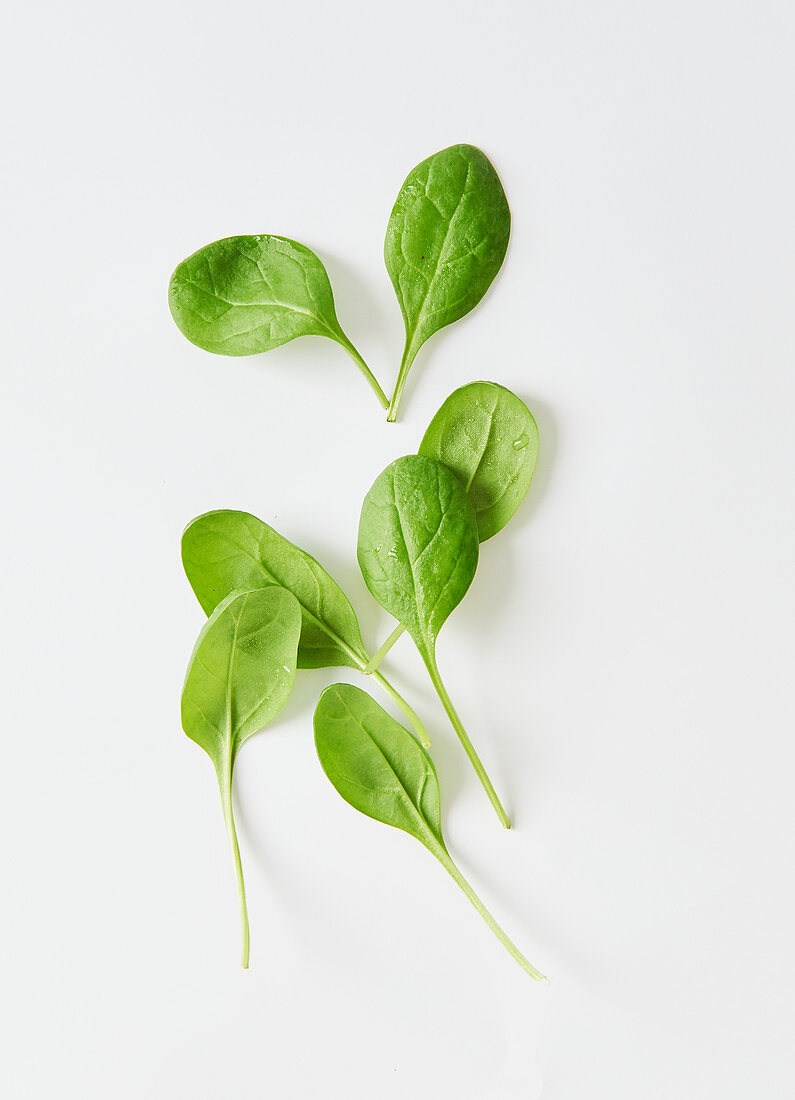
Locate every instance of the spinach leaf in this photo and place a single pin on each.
(227, 550)
(445, 242)
(488, 436)
(239, 677)
(418, 552)
(382, 771)
(243, 295)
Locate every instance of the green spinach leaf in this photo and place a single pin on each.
(418, 552)
(382, 771)
(243, 295)
(445, 242)
(239, 677)
(227, 550)
(488, 436)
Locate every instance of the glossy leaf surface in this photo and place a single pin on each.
(418, 545)
(241, 671)
(376, 764)
(243, 295)
(380, 769)
(488, 436)
(227, 550)
(445, 242)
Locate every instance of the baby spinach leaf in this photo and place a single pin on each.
(376, 765)
(445, 242)
(243, 295)
(418, 545)
(488, 436)
(239, 677)
(382, 771)
(227, 550)
(418, 552)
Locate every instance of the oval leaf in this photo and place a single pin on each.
(418, 545)
(487, 436)
(244, 295)
(241, 671)
(380, 770)
(376, 764)
(445, 242)
(225, 551)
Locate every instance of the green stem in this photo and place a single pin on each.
(463, 737)
(399, 701)
(405, 365)
(225, 782)
(372, 381)
(444, 858)
(361, 661)
(375, 661)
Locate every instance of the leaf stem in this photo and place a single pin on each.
(400, 702)
(405, 365)
(362, 662)
(463, 737)
(372, 381)
(376, 660)
(225, 782)
(444, 858)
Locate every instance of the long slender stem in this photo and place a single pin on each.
(403, 373)
(361, 661)
(463, 737)
(445, 860)
(225, 782)
(372, 381)
(399, 701)
(376, 660)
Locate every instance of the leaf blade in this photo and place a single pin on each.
(227, 550)
(489, 438)
(418, 545)
(248, 294)
(241, 671)
(446, 240)
(376, 765)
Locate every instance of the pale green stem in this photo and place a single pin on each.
(399, 701)
(375, 661)
(372, 381)
(463, 737)
(444, 858)
(225, 782)
(405, 365)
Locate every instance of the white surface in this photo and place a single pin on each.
(624, 660)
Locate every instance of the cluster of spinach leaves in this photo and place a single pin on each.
(272, 608)
(445, 242)
(421, 525)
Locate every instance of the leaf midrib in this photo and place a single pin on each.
(400, 786)
(411, 334)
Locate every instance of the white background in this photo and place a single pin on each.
(623, 661)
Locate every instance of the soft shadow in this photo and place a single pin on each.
(533, 930)
(502, 559)
(354, 299)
